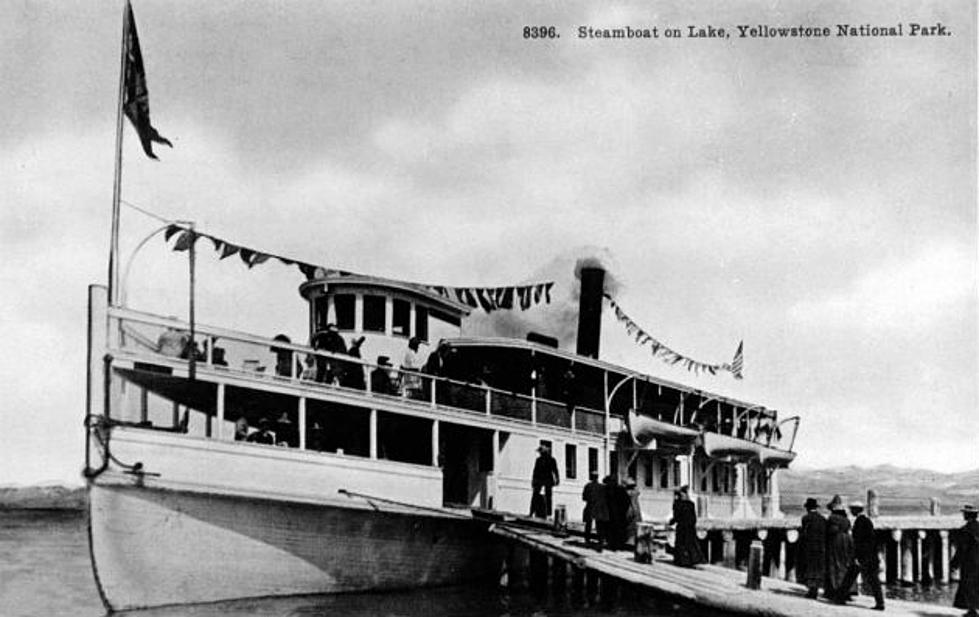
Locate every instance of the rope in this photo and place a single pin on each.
(148, 213)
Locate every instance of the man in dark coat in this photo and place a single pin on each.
(867, 563)
(544, 478)
(686, 547)
(381, 377)
(596, 510)
(811, 561)
(967, 560)
(839, 548)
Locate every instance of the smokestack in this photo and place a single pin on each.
(590, 311)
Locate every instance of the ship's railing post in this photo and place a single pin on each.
(219, 413)
(302, 422)
(943, 557)
(373, 433)
(432, 384)
(489, 400)
(435, 443)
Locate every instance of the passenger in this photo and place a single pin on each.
(264, 434)
(839, 549)
(283, 358)
(353, 373)
(241, 429)
(381, 377)
(569, 389)
(545, 477)
(633, 513)
(866, 561)
(436, 363)
(173, 342)
(317, 438)
(967, 560)
(596, 509)
(811, 566)
(309, 372)
(411, 364)
(328, 370)
(618, 507)
(285, 432)
(686, 547)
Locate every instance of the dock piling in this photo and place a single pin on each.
(754, 565)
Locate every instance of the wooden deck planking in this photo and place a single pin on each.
(709, 585)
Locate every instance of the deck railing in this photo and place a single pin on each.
(262, 359)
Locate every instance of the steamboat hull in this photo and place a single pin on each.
(159, 547)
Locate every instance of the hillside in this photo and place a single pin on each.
(42, 497)
(900, 490)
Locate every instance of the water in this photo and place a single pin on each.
(45, 570)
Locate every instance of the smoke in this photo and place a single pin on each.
(559, 318)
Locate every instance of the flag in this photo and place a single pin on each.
(135, 97)
(737, 364)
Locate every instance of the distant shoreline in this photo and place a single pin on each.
(43, 498)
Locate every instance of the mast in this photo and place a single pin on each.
(117, 180)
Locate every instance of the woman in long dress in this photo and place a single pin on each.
(686, 547)
(839, 547)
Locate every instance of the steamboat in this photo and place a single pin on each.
(223, 464)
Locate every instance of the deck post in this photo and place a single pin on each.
(730, 549)
(943, 555)
(896, 536)
(935, 506)
(926, 570)
(882, 557)
(302, 422)
(755, 556)
(791, 537)
(219, 413)
(907, 558)
(435, 443)
(373, 433)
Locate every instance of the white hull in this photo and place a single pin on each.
(225, 520)
(156, 547)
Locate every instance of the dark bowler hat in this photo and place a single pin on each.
(856, 506)
(383, 361)
(811, 504)
(970, 509)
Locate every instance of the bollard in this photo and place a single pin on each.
(560, 518)
(873, 504)
(644, 543)
(729, 550)
(754, 565)
(791, 537)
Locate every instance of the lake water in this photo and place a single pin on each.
(45, 570)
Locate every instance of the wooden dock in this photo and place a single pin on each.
(705, 585)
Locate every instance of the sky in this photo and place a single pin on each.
(815, 198)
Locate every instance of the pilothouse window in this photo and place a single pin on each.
(374, 313)
(343, 304)
(401, 317)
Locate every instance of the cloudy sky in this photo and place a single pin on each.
(816, 198)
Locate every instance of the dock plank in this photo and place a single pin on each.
(709, 585)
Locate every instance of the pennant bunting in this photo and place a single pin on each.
(673, 358)
(487, 299)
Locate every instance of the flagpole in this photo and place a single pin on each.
(117, 181)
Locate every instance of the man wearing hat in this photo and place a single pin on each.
(967, 560)
(381, 377)
(545, 477)
(263, 434)
(811, 566)
(866, 561)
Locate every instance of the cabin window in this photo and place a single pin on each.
(374, 313)
(343, 429)
(715, 479)
(592, 462)
(648, 470)
(343, 306)
(703, 477)
(401, 317)
(321, 316)
(633, 468)
(421, 323)
(404, 438)
(570, 461)
(676, 472)
(664, 473)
